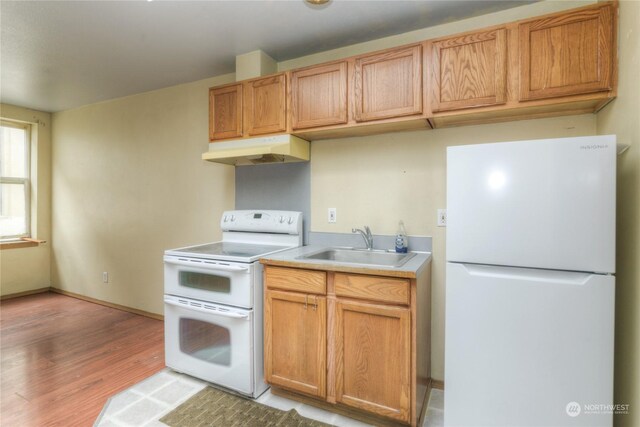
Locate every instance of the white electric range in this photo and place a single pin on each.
(214, 296)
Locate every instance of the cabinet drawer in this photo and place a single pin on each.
(374, 288)
(294, 279)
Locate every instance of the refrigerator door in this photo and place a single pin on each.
(524, 347)
(541, 204)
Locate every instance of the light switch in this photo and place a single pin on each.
(442, 217)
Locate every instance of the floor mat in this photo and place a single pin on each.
(212, 407)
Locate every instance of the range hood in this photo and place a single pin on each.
(256, 151)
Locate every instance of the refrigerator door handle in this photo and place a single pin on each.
(528, 274)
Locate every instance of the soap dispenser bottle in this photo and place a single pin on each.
(401, 239)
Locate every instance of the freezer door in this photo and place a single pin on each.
(541, 204)
(523, 347)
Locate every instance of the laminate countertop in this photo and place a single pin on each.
(293, 258)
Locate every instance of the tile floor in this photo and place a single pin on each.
(148, 401)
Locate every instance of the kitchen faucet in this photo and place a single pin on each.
(366, 235)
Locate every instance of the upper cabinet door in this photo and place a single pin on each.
(388, 84)
(265, 105)
(225, 112)
(567, 54)
(319, 96)
(469, 70)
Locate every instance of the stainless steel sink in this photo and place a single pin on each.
(359, 257)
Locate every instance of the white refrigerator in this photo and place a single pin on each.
(529, 283)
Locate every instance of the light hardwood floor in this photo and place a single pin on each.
(62, 358)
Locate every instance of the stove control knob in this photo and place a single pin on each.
(225, 219)
(233, 218)
(281, 219)
(290, 220)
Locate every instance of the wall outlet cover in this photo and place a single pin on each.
(332, 215)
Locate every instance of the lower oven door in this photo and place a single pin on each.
(217, 281)
(210, 341)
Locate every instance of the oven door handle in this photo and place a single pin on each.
(208, 265)
(204, 310)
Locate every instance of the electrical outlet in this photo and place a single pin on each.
(105, 277)
(442, 217)
(332, 215)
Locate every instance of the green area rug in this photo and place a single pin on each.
(212, 407)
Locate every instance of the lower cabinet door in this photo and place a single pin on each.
(295, 342)
(373, 358)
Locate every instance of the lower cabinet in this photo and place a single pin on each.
(373, 356)
(352, 342)
(295, 330)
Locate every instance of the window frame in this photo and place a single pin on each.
(26, 182)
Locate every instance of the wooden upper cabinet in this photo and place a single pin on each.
(567, 54)
(388, 84)
(319, 96)
(265, 105)
(225, 112)
(295, 341)
(373, 358)
(557, 64)
(469, 70)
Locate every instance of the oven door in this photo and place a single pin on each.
(216, 281)
(210, 342)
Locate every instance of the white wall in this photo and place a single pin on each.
(128, 183)
(27, 269)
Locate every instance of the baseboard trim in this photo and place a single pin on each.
(439, 384)
(108, 304)
(24, 294)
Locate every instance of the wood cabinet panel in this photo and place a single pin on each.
(567, 54)
(297, 280)
(295, 329)
(265, 105)
(559, 64)
(375, 288)
(319, 96)
(469, 70)
(225, 112)
(388, 84)
(373, 358)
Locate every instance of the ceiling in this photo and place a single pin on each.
(58, 55)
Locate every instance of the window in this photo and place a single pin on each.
(15, 183)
